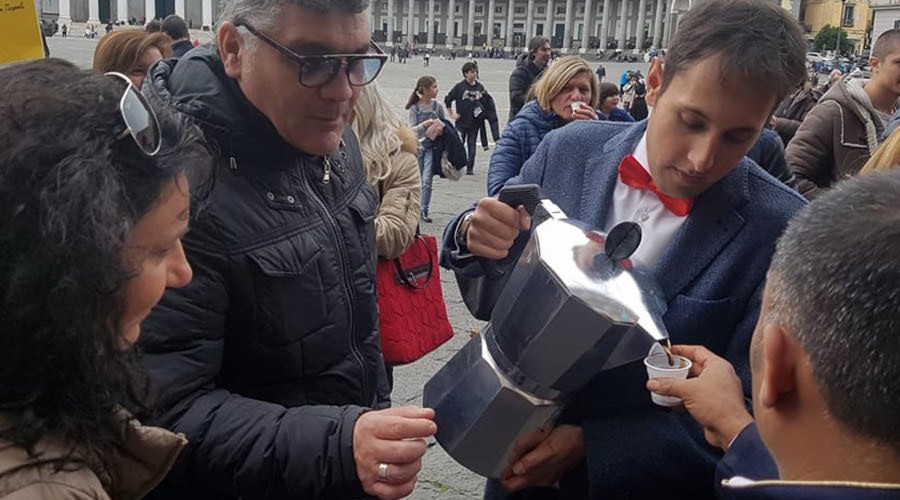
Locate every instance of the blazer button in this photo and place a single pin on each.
(271, 196)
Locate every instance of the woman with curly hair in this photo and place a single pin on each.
(95, 186)
(131, 52)
(567, 92)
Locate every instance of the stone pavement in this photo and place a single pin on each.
(441, 477)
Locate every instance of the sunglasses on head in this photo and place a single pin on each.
(140, 120)
(316, 71)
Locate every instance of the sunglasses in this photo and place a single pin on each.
(140, 120)
(316, 71)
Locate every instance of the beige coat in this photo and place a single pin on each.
(146, 456)
(401, 199)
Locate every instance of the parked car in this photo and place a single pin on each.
(813, 57)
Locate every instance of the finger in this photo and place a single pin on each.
(398, 474)
(409, 411)
(529, 443)
(696, 353)
(393, 428)
(399, 452)
(524, 218)
(537, 457)
(386, 491)
(666, 386)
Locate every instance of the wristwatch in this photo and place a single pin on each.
(462, 230)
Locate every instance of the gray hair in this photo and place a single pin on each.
(262, 14)
(833, 283)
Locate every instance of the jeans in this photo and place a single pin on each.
(426, 159)
(468, 137)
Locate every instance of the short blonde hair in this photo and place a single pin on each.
(886, 156)
(558, 75)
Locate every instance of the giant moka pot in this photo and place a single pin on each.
(570, 309)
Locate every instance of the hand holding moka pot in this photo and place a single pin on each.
(571, 308)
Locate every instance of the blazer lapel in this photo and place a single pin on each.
(714, 220)
(601, 174)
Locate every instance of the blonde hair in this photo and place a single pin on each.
(886, 156)
(376, 124)
(558, 75)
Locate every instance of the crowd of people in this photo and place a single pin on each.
(242, 358)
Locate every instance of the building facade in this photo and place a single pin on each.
(572, 25)
(885, 16)
(853, 16)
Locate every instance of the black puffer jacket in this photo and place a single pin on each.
(269, 356)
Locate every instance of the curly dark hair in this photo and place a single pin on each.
(70, 194)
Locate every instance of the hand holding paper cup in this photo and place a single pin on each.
(657, 363)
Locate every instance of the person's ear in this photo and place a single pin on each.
(875, 65)
(231, 49)
(779, 370)
(654, 81)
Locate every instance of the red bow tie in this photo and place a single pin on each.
(632, 174)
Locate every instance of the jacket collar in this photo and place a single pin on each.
(714, 219)
(145, 457)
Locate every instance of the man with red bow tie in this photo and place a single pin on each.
(710, 218)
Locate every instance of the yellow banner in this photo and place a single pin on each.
(20, 33)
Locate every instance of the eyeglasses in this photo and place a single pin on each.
(316, 71)
(140, 120)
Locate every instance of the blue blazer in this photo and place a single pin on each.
(712, 276)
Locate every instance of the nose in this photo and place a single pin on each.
(179, 270)
(339, 88)
(702, 155)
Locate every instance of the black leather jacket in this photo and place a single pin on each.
(269, 356)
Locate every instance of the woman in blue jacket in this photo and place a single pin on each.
(567, 92)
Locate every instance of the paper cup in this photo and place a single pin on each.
(657, 364)
(576, 106)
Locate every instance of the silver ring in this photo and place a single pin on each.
(382, 472)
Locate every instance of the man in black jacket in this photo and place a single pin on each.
(175, 27)
(527, 71)
(270, 361)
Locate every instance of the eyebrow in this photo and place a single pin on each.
(317, 49)
(705, 118)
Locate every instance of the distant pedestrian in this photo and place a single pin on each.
(425, 114)
(468, 96)
(65, 31)
(393, 53)
(601, 73)
(528, 69)
(427, 58)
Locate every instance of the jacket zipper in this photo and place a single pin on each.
(349, 291)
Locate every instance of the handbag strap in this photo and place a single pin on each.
(408, 278)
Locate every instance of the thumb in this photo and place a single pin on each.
(665, 386)
(524, 218)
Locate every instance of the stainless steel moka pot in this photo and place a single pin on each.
(571, 308)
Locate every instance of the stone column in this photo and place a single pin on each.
(179, 8)
(410, 29)
(470, 26)
(567, 33)
(604, 23)
(588, 29)
(206, 12)
(622, 25)
(548, 24)
(65, 15)
(451, 20)
(510, 19)
(93, 12)
(490, 23)
(430, 28)
(639, 37)
(657, 23)
(121, 9)
(529, 22)
(390, 24)
(667, 19)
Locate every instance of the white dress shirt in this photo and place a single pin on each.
(658, 224)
